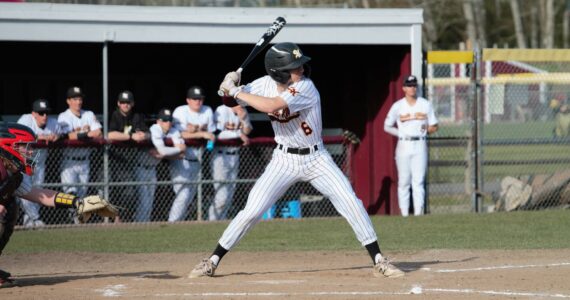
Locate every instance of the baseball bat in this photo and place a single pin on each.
(271, 32)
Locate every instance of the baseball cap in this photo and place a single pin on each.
(126, 96)
(75, 91)
(165, 114)
(195, 92)
(411, 81)
(41, 105)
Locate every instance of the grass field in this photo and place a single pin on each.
(546, 229)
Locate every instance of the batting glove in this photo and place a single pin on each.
(233, 76)
(229, 87)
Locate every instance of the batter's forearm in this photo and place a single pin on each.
(263, 104)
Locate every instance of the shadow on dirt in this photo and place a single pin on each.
(52, 279)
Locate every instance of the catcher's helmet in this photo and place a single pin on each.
(281, 58)
(15, 146)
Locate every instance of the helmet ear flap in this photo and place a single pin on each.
(279, 76)
(307, 71)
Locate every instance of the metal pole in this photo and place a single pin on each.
(105, 117)
(476, 135)
(199, 189)
(426, 185)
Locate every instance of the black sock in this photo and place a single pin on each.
(220, 252)
(373, 249)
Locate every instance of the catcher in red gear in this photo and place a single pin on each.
(16, 167)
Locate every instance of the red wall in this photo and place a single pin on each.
(371, 95)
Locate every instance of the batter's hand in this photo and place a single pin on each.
(228, 86)
(233, 76)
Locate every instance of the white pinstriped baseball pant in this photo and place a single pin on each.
(411, 160)
(285, 169)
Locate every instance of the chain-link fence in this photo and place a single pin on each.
(449, 87)
(509, 120)
(525, 98)
(148, 189)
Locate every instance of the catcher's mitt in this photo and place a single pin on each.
(95, 205)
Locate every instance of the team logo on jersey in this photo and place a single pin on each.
(283, 115)
(297, 53)
(420, 116)
(405, 117)
(232, 126)
(292, 91)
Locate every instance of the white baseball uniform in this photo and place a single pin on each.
(75, 161)
(225, 163)
(411, 152)
(299, 156)
(32, 209)
(157, 137)
(187, 169)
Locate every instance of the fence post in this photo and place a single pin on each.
(476, 135)
(105, 119)
(199, 193)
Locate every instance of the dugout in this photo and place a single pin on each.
(358, 59)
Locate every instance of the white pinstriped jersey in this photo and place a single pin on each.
(51, 127)
(183, 116)
(69, 122)
(299, 125)
(422, 115)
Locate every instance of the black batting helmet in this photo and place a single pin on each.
(15, 140)
(281, 58)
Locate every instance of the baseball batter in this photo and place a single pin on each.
(225, 164)
(77, 124)
(293, 104)
(415, 119)
(194, 121)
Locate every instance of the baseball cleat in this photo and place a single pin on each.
(385, 269)
(205, 268)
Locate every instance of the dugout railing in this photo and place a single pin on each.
(115, 173)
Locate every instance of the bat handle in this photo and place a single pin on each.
(220, 92)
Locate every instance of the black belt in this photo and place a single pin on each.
(413, 138)
(77, 158)
(299, 151)
(191, 159)
(235, 152)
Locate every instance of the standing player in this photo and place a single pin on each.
(194, 121)
(46, 129)
(77, 124)
(16, 167)
(225, 164)
(415, 119)
(293, 104)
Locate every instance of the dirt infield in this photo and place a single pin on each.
(435, 274)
